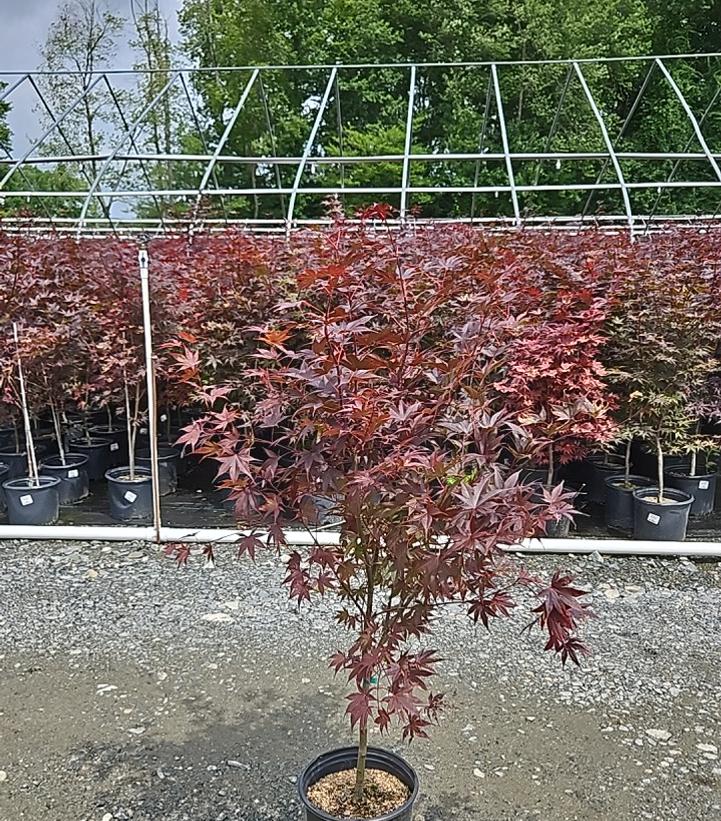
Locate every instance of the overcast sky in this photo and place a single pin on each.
(24, 26)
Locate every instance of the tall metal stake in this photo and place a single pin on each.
(150, 388)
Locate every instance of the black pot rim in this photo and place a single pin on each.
(113, 475)
(168, 457)
(4, 468)
(73, 460)
(615, 481)
(23, 453)
(679, 474)
(668, 492)
(609, 458)
(25, 483)
(102, 430)
(95, 442)
(352, 752)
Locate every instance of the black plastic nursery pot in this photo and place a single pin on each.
(619, 500)
(602, 465)
(531, 474)
(345, 759)
(167, 468)
(16, 462)
(72, 474)
(7, 437)
(31, 504)
(3, 477)
(645, 462)
(118, 439)
(98, 452)
(701, 487)
(660, 522)
(129, 499)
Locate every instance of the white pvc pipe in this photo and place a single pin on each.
(302, 538)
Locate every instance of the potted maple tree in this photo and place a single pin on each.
(700, 484)
(620, 486)
(661, 341)
(130, 489)
(32, 499)
(554, 386)
(372, 397)
(56, 378)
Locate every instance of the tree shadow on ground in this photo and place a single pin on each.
(222, 770)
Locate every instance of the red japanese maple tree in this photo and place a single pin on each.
(376, 405)
(554, 382)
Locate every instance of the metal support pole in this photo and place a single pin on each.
(609, 146)
(56, 122)
(136, 124)
(554, 123)
(694, 122)
(621, 132)
(309, 147)
(273, 142)
(481, 144)
(677, 163)
(201, 133)
(408, 143)
(506, 148)
(226, 133)
(150, 389)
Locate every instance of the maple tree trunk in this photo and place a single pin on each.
(58, 431)
(360, 771)
(693, 462)
(32, 462)
(550, 465)
(129, 428)
(659, 459)
(628, 459)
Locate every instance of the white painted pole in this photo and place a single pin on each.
(150, 389)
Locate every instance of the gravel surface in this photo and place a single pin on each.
(133, 689)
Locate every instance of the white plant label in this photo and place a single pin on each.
(114, 446)
(26, 500)
(653, 518)
(129, 496)
(143, 431)
(703, 484)
(163, 417)
(73, 473)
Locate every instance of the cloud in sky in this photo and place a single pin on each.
(24, 27)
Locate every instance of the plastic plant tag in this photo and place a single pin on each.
(703, 484)
(26, 500)
(654, 518)
(72, 473)
(163, 417)
(129, 496)
(144, 431)
(114, 446)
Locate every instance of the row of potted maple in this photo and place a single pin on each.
(50, 469)
(588, 340)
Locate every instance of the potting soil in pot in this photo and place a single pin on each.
(334, 794)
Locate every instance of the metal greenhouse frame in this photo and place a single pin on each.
(105, 206)
(119, 187)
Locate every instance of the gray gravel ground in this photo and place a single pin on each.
(131, 688)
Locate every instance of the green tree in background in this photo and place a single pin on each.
(451, 106)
